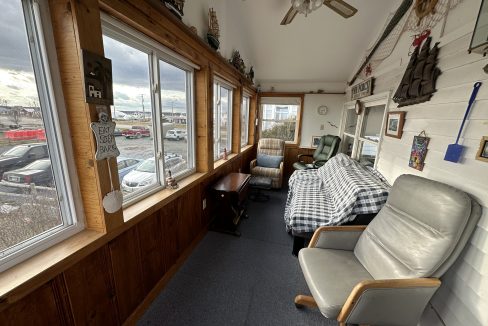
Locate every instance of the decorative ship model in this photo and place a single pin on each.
(213, 33)
(175, 6)
(418, 82)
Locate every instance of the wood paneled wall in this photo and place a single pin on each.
(114, 281)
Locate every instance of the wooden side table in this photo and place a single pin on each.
(230, 193)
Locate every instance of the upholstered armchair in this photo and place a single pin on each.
(269, 151)
(326, 149)
(386, 273)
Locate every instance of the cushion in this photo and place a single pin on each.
(266, 172)
(331, 275)
(269, 161)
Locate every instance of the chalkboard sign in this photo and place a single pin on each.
(104, 134)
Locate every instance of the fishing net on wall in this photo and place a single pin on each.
(409, 23)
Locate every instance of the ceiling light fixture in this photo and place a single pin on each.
(306, 6)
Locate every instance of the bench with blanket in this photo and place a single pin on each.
(337, 193)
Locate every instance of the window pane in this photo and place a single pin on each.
(367, 152)
(373, 118)
(351, 122)
(224, 120)
(279, 121)
(133, 112)
(174, 103)
(347, 145)
(29, 202)
(244, 121)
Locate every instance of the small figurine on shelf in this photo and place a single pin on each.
(213, 33)
(250, 74)
(225, 153)
(171, 182)
(237, 61)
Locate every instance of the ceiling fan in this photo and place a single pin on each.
(307, 6)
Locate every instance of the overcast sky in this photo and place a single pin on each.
(130, 69)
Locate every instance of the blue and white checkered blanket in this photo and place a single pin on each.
(333, 194)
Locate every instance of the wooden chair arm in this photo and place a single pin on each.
(321, 231)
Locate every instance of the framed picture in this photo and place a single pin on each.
(316, 141)
(394, 124)
(482, 154)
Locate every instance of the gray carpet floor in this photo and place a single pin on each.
(250, 280)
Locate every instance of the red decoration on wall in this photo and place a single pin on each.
(419, 38)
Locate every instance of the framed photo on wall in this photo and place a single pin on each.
(394, 124)
(316, 141)
(482, 154)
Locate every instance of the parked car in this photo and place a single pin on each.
(142, 176)
(175, 134)
(145, 173)
(125, 165)
(38, 172)
(118, 132)
(21, 155)
(136, 132)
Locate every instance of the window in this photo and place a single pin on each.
(36, 198)
(362, 134)
(280, 118)
(245, 121)
(222, 119)
(153, 110)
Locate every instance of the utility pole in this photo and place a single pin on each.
(143, 111)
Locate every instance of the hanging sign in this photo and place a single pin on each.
(362, 89)
(419, 151)
(104, 134)
(97, 73)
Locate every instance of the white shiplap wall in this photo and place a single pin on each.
(463, 297)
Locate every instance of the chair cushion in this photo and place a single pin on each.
(271, 146)
(416, 231)
(266, 172)
(331, 275)
(269, 161)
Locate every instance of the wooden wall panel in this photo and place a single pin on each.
(169, 224)
(39, 307)
(127, 270)
(204, 118)
(236, 119)
(90, 288)
(189, 218)
(151, 246)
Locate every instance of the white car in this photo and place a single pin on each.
(145, 174)
(175, 134)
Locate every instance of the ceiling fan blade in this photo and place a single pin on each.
(342, 8)
(289, 16)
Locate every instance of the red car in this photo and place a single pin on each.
(136, 132)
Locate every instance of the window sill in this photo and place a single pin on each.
(221, 162)
(246, 148)
(20, 279)
(155, 202)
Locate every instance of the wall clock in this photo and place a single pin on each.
(358, 107)
(322, 110)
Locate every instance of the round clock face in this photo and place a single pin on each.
(358, 107)
(322, 110)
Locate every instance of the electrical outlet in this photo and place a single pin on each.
(204, 203)
(321, 127)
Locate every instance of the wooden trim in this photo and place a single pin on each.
(236, 119)
(253, 113)
(305, 300)
(204, 119)
(340, 228)
(363, 286)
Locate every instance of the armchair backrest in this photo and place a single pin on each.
(327, 148)
(420, 231)
(271, 146)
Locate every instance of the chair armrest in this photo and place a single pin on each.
(385, 302)
(280, 182)
(303, 155)
(253, 164)
(342, 237)
(319, 161)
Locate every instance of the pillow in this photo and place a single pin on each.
(269, 161)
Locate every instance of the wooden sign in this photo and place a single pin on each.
(104, 135)
(97, 72)
(362, 89)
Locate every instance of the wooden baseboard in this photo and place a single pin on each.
(142, 307)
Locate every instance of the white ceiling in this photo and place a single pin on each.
(323, 47)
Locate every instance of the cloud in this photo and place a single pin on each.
(14, 50)
(14, 87)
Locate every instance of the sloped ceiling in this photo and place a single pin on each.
(323, 47)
